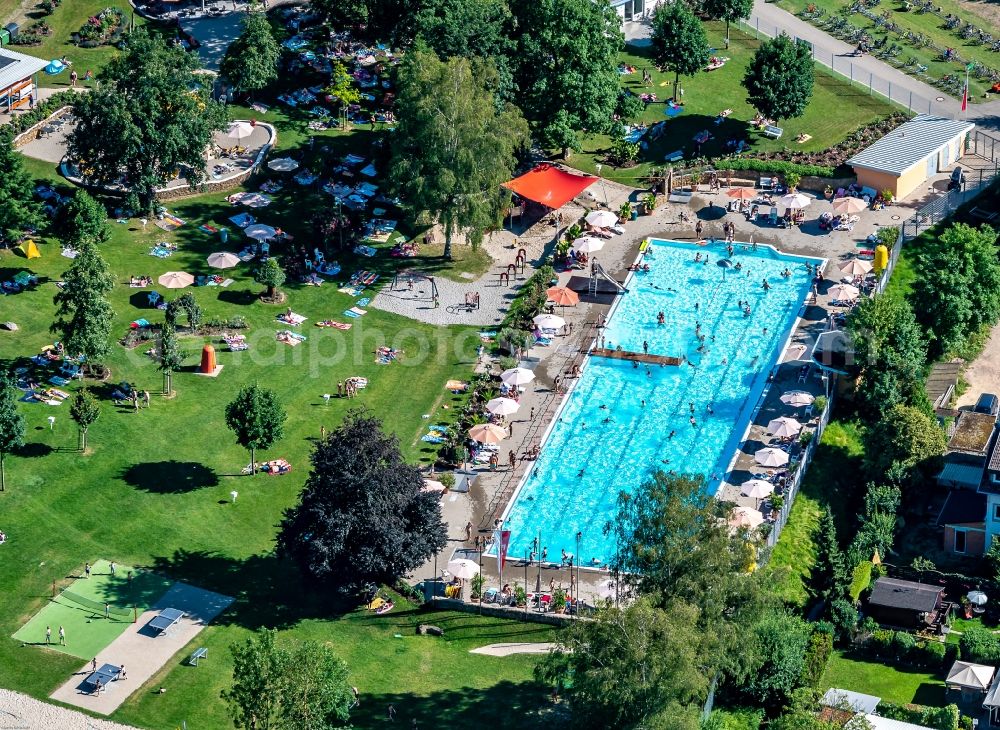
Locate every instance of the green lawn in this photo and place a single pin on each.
(836, 109)
(831, 481)
(900, 686)
(928, 24)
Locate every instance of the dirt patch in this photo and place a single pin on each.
(16, 11)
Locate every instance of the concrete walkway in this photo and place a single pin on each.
(510, 649)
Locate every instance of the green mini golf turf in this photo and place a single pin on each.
(87, 630)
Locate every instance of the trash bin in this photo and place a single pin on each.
(11, 29)
(4, 37)
(224, 234)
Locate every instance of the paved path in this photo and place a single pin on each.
(509, 649)
(26, 713)
(983, 373)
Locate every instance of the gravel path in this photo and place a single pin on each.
(508, 649)
(26, 713)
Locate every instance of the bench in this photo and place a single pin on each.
(775, 132)
(199, 653)
(767, 183)
(676, 156)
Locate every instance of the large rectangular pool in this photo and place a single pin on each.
(624, 420)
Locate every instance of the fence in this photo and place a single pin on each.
(845, 67)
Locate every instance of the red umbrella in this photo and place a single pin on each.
(562, 296)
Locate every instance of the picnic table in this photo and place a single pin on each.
(105, 674)
(166, 620)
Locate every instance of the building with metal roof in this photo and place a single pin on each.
(17, 78)
(910, 154)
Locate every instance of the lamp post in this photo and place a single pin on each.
(604, 190)
(576, 603)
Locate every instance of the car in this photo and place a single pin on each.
(988, 403)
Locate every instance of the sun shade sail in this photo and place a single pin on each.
(549, 185)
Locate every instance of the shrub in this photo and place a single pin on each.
(903, 644)
(817, 655)
(939, 718)
(734, 719)
(447, 479)
(477, 585)
(778, 167)
(880, 643)
(930, 654)
(979, 645)
(860, 580)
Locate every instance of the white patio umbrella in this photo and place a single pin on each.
(223, 260)
(549, 321)
(283, 164)
(784, 427)
(260, 231)
(463, 568)
(757, 489)
(977, 598)
(601, 218)
(856, 267)
(502, 406)
(745, 517)
(487, 433)
(239, 130)
(849, 206)
(771, 456)
(844, 292)
(797, 398)
(176, 280)
(517, 376)
(588, 244)
(794, 200)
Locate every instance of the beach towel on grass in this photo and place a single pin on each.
(160, 252)
(169, 222)
(364, 251)
(292, 319)
(206, 228)
(243, 219)
(363, 302)
(292, 339)
(355, 312)
(335, 324)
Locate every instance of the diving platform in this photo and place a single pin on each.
(636, 356)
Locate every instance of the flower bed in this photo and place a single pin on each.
(103, 29)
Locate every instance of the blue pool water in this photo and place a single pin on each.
(615, 429)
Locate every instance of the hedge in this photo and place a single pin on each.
(734, 719)
(817, 655)
(905, 650)
(979, 645)
(939, 718)
(779, 167)
(530, 299)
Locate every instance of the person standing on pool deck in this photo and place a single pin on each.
(645, 347)
(698, 228)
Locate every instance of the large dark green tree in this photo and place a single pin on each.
(778, 644)
(363, 517)
(679, 42)
(959, 272)
(84, 410)
(567, 68)
(251, 61)
(779, 79)
(453, 148)
(151, 116)
(905, 439)
(828, 578)
(11, 424)
(257, 418)
(18, 208)
(84, 219)
(730, 11)
(84, 314)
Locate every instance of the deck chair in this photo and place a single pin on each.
(772, 217)
(153, 298)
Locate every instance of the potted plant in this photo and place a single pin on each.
(805, 438)
(792, 180)
(559, 601)
(649, 203)
(477, 586)
(828, 192)
(448, 480)
(820, 403)
(777, 502)
(625, 212)
(520, 596)
(887, 196)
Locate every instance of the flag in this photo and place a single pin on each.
(965, 97)
(502, 538)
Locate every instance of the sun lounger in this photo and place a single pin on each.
(772, 217)
(675, 156)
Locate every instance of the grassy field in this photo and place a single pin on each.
(836, 109)
(900, 686)
(931, 26)
(829, 483)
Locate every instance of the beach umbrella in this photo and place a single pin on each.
(856, 267)
(502, 406)
(849, 206)
(223, 260)
(977, 598)
(549, 321)
(742, 193)
(283, 164)
(784, 427)
(844, 292)
(562, 296)
(259, 231)
(517, 376)
(601, 218)
(745, 517)
(757, 489)
(794, 200)
(724, 264)
(432, 485)
(487, 433)
(588, 244)
(463, 568)
(771, 456)
(55, 67)
(239, 130)
(176, 280)
(797, 398)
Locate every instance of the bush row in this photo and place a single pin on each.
(778, 167)
(906, 650)
(21, 122)
(530, 299)
(939, 718)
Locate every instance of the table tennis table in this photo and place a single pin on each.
(102, 677)
(166, 620)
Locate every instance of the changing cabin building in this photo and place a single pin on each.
(17, 79)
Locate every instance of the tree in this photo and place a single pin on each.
(906, 438)
(889, 354)
(11, 424)
(778, 644)
(453, 148)
(84, 410)
(257, 419)
(730, 11)
(342, 86)
(779, 79)
(362, 518)
(567, 68)
(251, 61)
(678, 41)
(270, 275)
(958, 271)
(170, 356)
(386, 20)
(287, 688)
(151, 115)
(829, 578)
(84, 220)
(635, 667)
(18, 208)
(84, 314)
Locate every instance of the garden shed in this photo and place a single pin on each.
(905, 604)
(908, 156)
(17, 78)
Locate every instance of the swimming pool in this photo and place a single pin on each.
(625, 420)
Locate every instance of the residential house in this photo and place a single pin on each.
(964, 514)
(17, 79)
(906, 604)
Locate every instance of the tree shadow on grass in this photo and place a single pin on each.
(169, 477)
(241, 297)
(33, 450)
